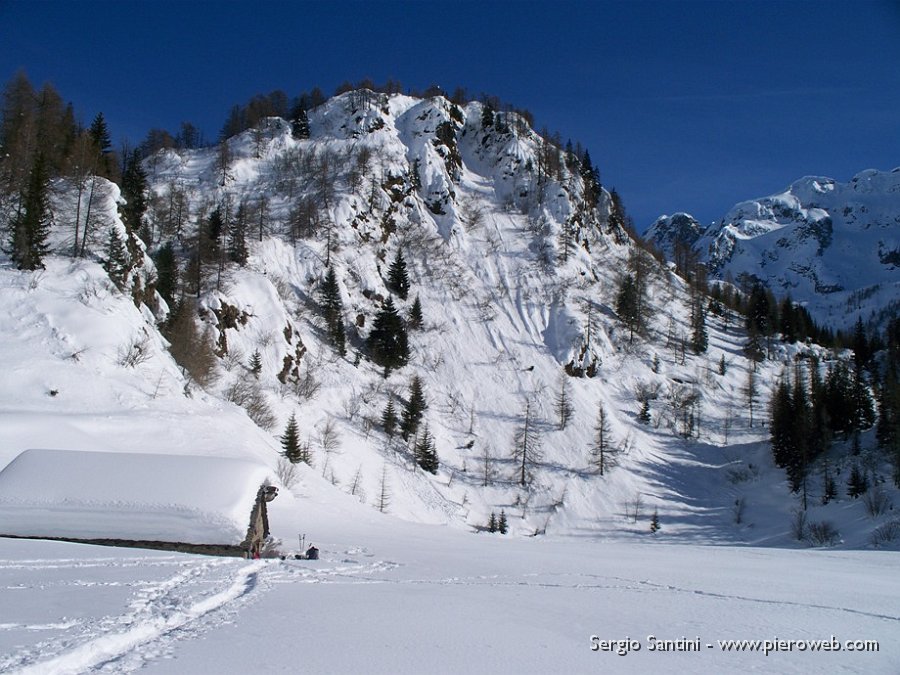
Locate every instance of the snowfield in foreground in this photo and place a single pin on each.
(387, 597)
(395, 597)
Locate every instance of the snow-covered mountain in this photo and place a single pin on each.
(833, 246)
(517, 272)
(669, 233)
(517, 267)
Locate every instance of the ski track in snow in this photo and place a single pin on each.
(157, 615)
(204, 594)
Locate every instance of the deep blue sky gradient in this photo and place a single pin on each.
(685, 106)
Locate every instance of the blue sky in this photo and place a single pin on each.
(685, 106)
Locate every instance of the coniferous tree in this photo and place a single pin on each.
(30, 227)
(780, 427)
(18, 133)
(562, 406)
(188, 345)
(760, 310)
(839, 402)
(426, 453)
(388, 342)
(211, 236)
(116, 261)
(492, 522)
(602, 453)
(654, 522)
(290, 441)
(398, 280)
(256, 363)
(487, 117)
(502, 526)
(384, 491)
(857, 484)
(627, 304)
(787, 320)
(487, 466)
(333, 312)
(36, 122)
(888, 430)
(413, 410)
(863, 405)
(134, 191)
(590, 177)
(237, 237)
(820, 433)
(389, 418)
(750, 390)
(860, 344)
(829, 486)
(699, 336)
(801, 412)
(753, 348)
(619, 221)
(166, 273)
(99, 133)
(644, 416)
(300, 123)
(526, 445)
(415, 320)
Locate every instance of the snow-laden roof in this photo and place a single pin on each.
(135, 496)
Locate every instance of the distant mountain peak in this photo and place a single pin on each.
(833, 246)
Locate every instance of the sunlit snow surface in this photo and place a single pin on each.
(414, 600)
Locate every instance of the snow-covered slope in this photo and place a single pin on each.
(506, 300)
(833, 246)
(389, 597)
(517, 277)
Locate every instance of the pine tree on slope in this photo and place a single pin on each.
(398, 280)
(290, 441)
(333, 312)
(415, 319)
(116, 261)
(426, 453)
(30, 227)
(389, 419)
(388, 343)
(413, 410)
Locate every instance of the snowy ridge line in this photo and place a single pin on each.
(108, 648)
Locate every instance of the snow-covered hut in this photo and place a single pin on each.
(171, 502)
